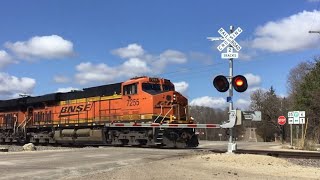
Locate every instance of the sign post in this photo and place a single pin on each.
(282, 121)
(296, 118)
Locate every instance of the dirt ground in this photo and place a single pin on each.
(212, 166)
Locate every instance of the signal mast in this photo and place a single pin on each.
(223, 83)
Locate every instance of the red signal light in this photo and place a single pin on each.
(221, 83)
(239, 83)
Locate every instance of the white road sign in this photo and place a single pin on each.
(302, 117)
(296, 117)
(229, 54)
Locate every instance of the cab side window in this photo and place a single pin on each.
(130, 89)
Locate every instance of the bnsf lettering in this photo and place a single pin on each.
(79, 108)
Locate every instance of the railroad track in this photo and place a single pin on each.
(275, 153)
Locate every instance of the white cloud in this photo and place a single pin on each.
(181, 87)
(67, 89)
(88, 72)
(212, 102)
(288, 34)
(166, 58)
(133, 67)
(253, 80)
(253, 89)
(242, 104)
(61, 79)
(137, 63)
(5, 59)
(247, 55)
(132, 50)
(11, 85)
(47, 47)
(173, 56)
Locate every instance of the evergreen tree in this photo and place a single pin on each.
(308, 98)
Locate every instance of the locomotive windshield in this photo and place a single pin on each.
(151, 88)
(156, 88)
(167, 87)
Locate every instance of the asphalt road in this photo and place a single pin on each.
(73, 163)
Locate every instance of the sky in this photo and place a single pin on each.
(56, 46)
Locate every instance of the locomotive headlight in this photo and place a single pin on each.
(174, 117)
(174, 97)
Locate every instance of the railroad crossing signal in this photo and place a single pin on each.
(239, 83)
(221, 83)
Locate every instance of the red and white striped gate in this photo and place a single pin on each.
(207, 126)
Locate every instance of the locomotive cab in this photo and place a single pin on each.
(154, 99)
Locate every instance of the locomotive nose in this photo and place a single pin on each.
(180, 99)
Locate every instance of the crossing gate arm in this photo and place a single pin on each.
(193, 126)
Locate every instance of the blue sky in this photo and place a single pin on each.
(48, 46)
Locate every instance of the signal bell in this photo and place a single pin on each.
(239, 83)
(221, 83)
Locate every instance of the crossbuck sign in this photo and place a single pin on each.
(228, 39)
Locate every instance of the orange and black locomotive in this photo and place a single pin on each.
(84, 117)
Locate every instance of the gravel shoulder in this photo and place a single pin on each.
(212, 166)
(145, 164)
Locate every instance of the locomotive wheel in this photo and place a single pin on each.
(193, 141)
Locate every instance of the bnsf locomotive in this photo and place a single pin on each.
(86, 117)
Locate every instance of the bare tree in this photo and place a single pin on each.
(296, 76)
(270, 106)
(206, 115)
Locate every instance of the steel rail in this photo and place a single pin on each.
(275, 153)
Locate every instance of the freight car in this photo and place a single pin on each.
(84, 117)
